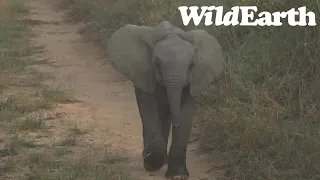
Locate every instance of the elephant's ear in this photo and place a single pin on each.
(129, 50)
(209, 60)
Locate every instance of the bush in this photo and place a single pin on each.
(263, 112)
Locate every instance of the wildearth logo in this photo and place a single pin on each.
(247, 13)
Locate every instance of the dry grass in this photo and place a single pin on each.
(264, 115)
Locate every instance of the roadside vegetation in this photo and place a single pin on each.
(263, 113)
(26, 147)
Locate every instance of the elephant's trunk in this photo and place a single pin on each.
(174, 97)
(174, 78)
(175, 82)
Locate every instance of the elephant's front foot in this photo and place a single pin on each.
(154, 160)
(177, 169)
(178, 178)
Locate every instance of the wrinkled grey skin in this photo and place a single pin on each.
(168, 67)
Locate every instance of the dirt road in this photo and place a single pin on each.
(107, 98)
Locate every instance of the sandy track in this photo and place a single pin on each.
(108, 101)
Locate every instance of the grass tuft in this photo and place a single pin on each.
(56, 94)
(68, 142)
(31, 122)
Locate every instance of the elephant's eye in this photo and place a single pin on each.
(157, 63)
(191, 66)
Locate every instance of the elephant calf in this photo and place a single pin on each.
(168, 68)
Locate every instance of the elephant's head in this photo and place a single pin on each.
(168, 55)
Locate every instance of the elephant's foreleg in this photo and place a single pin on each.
(154, 151)
(177, 167)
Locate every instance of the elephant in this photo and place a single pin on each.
(169, 68)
